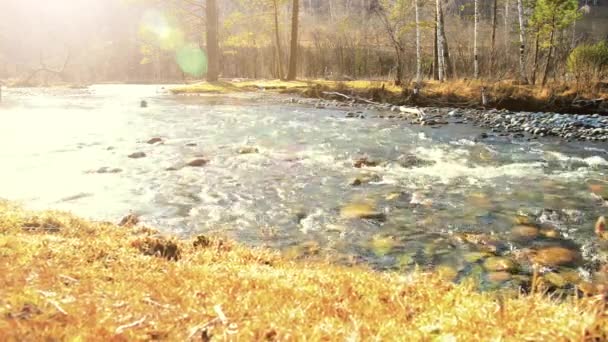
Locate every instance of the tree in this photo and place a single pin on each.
(475, 49)
(551, 16)
(213, 49)
(277, 36)
(418, 53)
(293, 53)
(522, 41)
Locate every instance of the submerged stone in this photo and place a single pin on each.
(154, 140)
(248, 150)
(498, 276)
(137, 155)
(496, 264)
(361, 211)
(524, 232)
(555, 256)
(199, 162)
(364, 162)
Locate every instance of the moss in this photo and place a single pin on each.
(97, 281)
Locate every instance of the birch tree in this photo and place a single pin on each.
(418, 52)
(522, 41)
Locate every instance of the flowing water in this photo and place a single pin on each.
(290, 194)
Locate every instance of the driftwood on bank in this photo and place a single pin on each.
(350, 98)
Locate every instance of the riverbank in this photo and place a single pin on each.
(66, 278)
(507, 95)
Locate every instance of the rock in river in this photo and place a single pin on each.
(137, 155)
(524, 232)
(556, 256)
(364, 161)
(499, 264)
(498, 277)
(248, 150)
(361, 211)
(154, 140)
(199, 162)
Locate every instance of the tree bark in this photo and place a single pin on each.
(475, 49)
(293, 55)
(278, 40)
(435, 52)
(522, 41)
(550, 54)
(440, 43)
(418, 53)
(493, 43)
(535, 63)
(212, 41)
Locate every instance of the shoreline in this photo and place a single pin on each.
(65, 278)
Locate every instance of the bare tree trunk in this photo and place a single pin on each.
(212, 41)
(293, 55)
(278, 40)
(440, 43)
(418, 53)
(522, 41)
(506, 17)
(549, 55)
(449, 69)
(475, 50)
(535, 62)
(493, 47)
(435, 52)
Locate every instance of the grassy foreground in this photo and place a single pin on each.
(64, 278)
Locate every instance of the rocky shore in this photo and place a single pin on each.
(532, 125)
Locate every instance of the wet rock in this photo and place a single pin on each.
(365, 179)
(555, 279)
(522, 232)
(498, 277)
(411, 161)
(485, 242)
(550, 233)
(199, 162)
(248, 150)
(556, 256)
(364, 162)
(398, 196)
(499, 264)
(106, 169)
(473, 257)
(361, 211)
(600, 228)
(154, 140)
(130, 220)
(356, 182)
(137, 155)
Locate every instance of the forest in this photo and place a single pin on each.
(169, 41)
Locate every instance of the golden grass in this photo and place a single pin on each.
(64, 278)
(222, 87)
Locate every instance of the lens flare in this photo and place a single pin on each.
(192, 60)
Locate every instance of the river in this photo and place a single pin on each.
(56, 142)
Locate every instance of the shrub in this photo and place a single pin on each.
(588, 63)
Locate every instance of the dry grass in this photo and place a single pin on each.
(222, 87)
(507, 94)
(64, 278)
